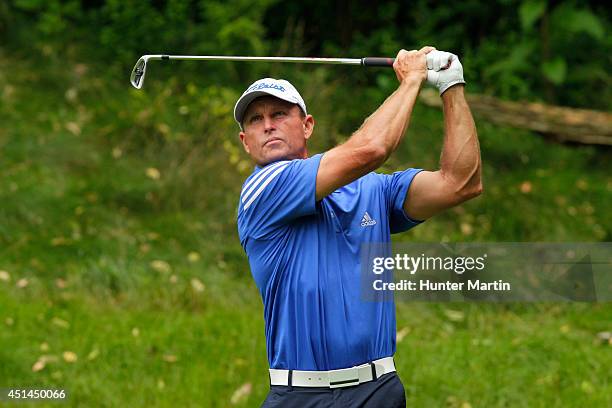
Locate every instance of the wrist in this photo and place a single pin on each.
(412, 80)
(456, 90)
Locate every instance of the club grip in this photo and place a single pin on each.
(377, 62)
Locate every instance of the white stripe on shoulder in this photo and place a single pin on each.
(263, 173)
(246, 191)
(263, 185)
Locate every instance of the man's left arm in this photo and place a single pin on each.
(459, 176)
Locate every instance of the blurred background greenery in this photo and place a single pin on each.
(121, 275)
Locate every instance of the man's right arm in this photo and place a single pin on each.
(370, 146)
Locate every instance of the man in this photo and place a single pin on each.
(302, 220)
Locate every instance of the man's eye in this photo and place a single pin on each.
(255, 119)
(279, 113)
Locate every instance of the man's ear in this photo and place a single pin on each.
(308, 123)
(244, 142)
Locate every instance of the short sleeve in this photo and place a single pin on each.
(396, 189)
(276, 195)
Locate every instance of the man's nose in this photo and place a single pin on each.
(268, 123)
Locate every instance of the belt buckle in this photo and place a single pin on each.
(345, 377)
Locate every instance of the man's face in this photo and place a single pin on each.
(275, 129)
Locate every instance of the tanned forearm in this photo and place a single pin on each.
(387, 125)
(460, 161)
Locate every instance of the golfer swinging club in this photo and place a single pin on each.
(302, 220)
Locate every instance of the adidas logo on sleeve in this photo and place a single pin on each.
(367, 221)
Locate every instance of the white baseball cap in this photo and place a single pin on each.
(279, 88)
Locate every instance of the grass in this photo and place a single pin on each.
(137, 352)
(176, 346)
(118, 210)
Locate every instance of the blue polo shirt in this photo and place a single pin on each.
(304, 257)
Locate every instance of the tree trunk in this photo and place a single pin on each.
(563, 124)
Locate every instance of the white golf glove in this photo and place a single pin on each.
(444, 70)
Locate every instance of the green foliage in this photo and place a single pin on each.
(516, 49)
(529, 49)
(119, 31)
(508, 71)
(530, 11)
(54, 16)
(577, 20)
(555, 70)
(235, 26)
(128, 26)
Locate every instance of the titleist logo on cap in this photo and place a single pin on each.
(265, 85)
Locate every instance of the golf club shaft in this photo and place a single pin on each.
(368, 61)
(138, 73)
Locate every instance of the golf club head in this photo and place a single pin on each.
(138, 73)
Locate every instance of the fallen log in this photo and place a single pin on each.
(560, 123)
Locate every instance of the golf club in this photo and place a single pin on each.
(140, 69)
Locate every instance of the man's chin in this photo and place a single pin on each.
(278, 155)
(281, 154)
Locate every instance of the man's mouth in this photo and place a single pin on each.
(273, 139)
